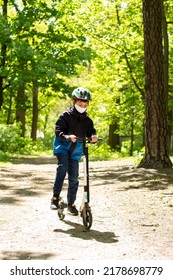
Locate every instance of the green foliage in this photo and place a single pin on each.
(47, 141)
(59, 45)
(44, 50)
(126, 145)
(12, 143)
(4, 157)
(117, 71)
(102, 152)
(10, 140)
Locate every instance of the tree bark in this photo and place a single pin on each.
(34, 113)
(156, 128)
(3, 55)
(114, 138)
(21, 108)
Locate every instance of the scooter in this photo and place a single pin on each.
(85, 209)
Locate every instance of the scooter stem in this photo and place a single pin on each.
(86, 172)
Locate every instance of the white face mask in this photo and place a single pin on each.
(80, 109)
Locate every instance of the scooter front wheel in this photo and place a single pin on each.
(87, 219)
(61, 214)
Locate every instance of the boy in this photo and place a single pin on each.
(73, 123)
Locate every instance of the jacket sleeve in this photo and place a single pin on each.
(61, 128)
(91, 130)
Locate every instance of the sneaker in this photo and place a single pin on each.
(72, 210)
(55, 202)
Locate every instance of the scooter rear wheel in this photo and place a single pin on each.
(87, 219)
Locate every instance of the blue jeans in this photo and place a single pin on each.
(67, 165)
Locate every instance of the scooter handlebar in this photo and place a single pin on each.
(87, 139)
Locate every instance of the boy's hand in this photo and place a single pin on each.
(72, 138)
(94, 138)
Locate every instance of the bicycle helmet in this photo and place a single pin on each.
(82, 93)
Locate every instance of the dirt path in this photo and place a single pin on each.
(132, 213)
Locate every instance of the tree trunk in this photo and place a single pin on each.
(156, 128)
(1, 91)
(114, 139)
(3, 54)
(21, 108)
(166, 71)
(9, 108)
(34, 113)
(131, 139)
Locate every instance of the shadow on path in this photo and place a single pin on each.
(34, 160)
(24, 255)
(79, 231)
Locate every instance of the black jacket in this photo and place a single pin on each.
(73, 122)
